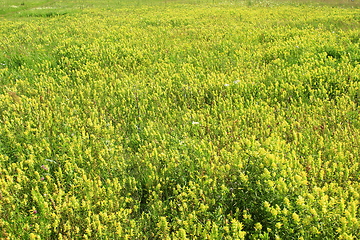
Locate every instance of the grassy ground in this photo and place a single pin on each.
(12, 7)
(8, 7)
(179, 120)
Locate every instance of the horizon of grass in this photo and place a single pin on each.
(38, 7)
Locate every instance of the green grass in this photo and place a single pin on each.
(48, 8)
(8, 7)
(179, 120)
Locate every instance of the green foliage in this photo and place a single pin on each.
(179, 120)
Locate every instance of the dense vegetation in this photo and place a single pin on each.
(179, 120)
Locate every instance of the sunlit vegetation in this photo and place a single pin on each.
(179, 120)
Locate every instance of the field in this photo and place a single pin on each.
(179, 120)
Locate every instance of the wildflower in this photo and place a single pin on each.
(45, 167)
(236, 81)
(163, 224)
(195, 123)
(33, 236)
(226, 85)
(258, 226)
(300, 201)
(278, 225)
(296, 217)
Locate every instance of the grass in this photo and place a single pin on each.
(50, 8)
(179, 120)
(9, 7)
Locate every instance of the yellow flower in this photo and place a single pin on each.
(258, 226)
(278, 225)
(33, 236)
(296, 218)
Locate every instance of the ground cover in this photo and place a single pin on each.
(179, 120)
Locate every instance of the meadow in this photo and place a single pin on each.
(179, 120)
